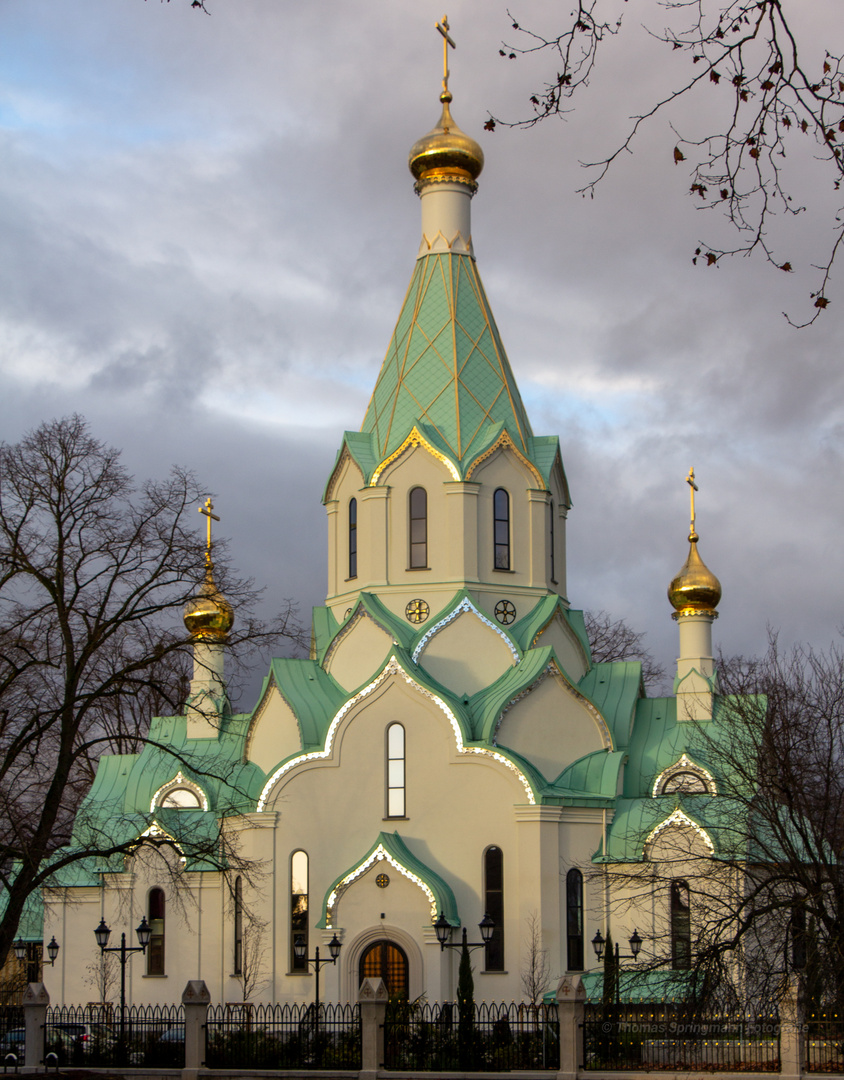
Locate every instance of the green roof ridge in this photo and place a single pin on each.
(311, 693)
(614, 689)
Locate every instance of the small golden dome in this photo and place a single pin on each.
(209, 616)
(695, 589)
(446, 153)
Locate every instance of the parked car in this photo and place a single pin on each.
(13, 1042)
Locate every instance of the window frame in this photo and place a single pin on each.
(299, 920)
(389, 772)
(353, 538)
(574, 920)
(494, 907)
(502, 549)
(680, 914)
(238, 926)
(417, 549)
(156, 949)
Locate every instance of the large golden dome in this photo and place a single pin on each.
(209, 616)
(695, 589)
(446, 152)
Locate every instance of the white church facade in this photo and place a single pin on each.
(449, 749)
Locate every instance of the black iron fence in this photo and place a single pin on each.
(484, 1038)
(97, 1035)
(825, 1042)
(12, 1034)
(676, 1036)
(283, 1037)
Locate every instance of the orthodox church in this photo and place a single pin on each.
(449, 750)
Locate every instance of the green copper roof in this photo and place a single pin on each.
(445, 366)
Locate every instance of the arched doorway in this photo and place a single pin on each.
(388, 961)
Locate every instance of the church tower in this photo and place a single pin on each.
(445, 488)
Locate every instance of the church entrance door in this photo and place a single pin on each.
(388, 961)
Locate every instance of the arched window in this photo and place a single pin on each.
(551, 540)
(238, 926)
(501, 529)
(574, 919)
(396, 802)
(681, 926)
(353, 538)
(418, 529)
(155, 949)
(494, 906)
(298, 907)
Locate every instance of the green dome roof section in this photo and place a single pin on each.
(445, 366)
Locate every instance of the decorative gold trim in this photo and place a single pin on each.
(678, 817)
(685, 764)
(392, 667)
(178, 781)
(380, 854)
(505, 440)
(415, 438)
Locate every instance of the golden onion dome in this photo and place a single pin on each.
(209, 616)
(695, 589)
(446, 152)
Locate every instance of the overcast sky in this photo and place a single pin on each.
(208, 227)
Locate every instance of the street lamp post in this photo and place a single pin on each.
(443, 929)
(52, 950)
(599, 944)
(124, 951)
(300, 950)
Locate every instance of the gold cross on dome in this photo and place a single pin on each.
(690, 480)
(208, 510)
(444, 28)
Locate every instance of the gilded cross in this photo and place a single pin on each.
(444, 28)
(690, 480)
(208, 510)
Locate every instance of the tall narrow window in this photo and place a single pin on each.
(551, 540)
(238, 926)
(501, 527)
(353, 538)
(298, 907)
(418, 529)
(681, 926)
(574, 919)
(396, 806)
(155, 949)
(494, 906)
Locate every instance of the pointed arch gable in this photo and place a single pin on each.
(416, 438)
(358, 649)
(554, 669)
(505, 443)
(459, 726)
(681, 820)
(179, 781)
(684, 764)
(464, 605)
(390, 847)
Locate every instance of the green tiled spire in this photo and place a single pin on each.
(446, 367)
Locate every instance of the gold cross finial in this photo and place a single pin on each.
(208, 510)
(444, 28)
(690, 480)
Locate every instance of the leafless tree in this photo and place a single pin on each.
(94, 575)
(103, 975)
(773, 94)
(613, 639)
(535, 973)
(771, 900)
